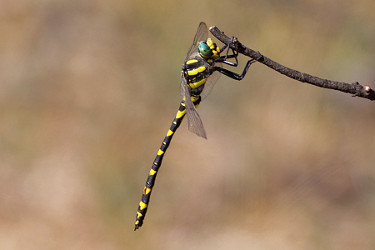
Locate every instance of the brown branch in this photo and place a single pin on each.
(355, 89)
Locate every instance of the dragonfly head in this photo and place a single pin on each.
(209, 49)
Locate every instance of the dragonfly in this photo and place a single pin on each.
(200, 71)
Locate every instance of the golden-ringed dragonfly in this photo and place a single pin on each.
(200, 71)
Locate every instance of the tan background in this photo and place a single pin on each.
(88, 90)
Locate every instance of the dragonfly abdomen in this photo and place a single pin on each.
(142, 208)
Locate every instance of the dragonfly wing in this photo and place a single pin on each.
(210, 83)
(195, 123)
(201, 35)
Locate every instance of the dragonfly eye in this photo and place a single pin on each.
(204, 49)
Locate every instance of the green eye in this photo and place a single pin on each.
(204, 49)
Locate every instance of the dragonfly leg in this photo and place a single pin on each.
(234, 75)
(234, 54)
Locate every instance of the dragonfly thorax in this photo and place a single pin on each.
(196, 71)
(208, 49)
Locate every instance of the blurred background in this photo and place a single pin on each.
(88, 90)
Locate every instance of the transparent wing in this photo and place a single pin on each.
(210, 83)
(195, 124)
(201, 35)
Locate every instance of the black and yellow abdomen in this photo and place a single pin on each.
(142, 208)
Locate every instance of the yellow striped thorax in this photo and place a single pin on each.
(196, 71)
(199, 66)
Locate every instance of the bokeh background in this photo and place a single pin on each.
(88, 90)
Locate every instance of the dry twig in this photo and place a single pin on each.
(355, 89)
